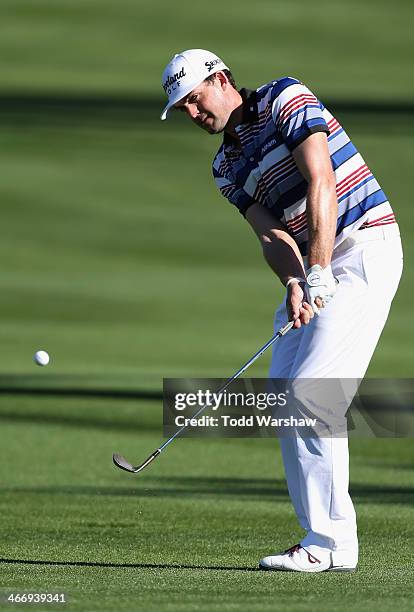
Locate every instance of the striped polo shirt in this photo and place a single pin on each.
(277, 117)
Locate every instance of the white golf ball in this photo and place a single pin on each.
(41, 358)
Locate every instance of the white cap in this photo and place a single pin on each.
(185, 71)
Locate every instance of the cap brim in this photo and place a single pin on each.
(164, 114)
(177, 98)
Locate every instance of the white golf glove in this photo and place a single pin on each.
(320, 286)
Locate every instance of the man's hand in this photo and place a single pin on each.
(298, 310)
(320, 287)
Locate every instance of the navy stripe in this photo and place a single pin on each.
(293, 195)
(282, 84)
(303, 109)
(302, 133)
(343, 154)
(335, 134)
(303, 248)
(350, 216)
(217, 174)
(243, 173)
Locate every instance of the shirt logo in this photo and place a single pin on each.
(268, 145)
(210, 65)
(173, 81)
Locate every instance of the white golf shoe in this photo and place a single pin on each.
(295, 559)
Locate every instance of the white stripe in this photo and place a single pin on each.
(345, 169)
(296, 209)
(273, 157)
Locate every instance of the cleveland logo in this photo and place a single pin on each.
(210, 65)
(172, 79)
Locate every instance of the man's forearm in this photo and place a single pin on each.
(279, 249)
(282, 254)
(322, 212)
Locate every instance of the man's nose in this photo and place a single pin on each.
(192, 111)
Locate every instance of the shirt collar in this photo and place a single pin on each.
(250, 113)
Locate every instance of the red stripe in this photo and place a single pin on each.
(285, 161)
(389, 215)
(390, 218)
(295, 103)
(333, 126)
(280, 176)
(279, 169)
(351, 180)
(297, 222)
(295, 226)
(258, 194)
(295, 100)
(391, 222)
(353, 184)
(296, 219)
(302, 103)
(333, 122)
(350, 176)
(299, 228)
(264, 116)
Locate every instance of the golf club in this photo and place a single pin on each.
(123, 464)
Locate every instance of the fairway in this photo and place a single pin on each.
(188, 533)
(121, 260)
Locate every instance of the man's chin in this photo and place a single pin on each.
(211, 129)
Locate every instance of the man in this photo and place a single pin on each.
(329, 234)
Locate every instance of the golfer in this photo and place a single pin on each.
(329, 233)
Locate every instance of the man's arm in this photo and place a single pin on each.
(314, 163)
(283, 256)
(280, 250)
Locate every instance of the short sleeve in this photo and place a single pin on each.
(296, 112)
(234, 193)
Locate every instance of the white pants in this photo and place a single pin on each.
(339, 343)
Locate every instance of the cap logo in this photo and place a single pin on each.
(210, 65)
(173, 81)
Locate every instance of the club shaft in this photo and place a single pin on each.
(282, 331)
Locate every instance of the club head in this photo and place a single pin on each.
(122, 463)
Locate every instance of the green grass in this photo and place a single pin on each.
(122, 262)
(187, 534)
(350, 50)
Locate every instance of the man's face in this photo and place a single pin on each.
(207, 106)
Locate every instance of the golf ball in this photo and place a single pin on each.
(41, 358)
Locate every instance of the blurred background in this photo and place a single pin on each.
(118, 255)
(120, 258)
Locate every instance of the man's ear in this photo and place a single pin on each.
(223, 80)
